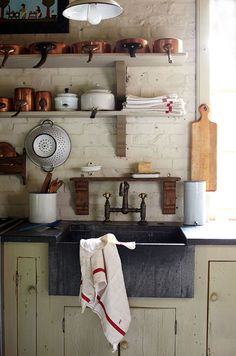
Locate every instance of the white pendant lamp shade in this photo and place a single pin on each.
(92, 11)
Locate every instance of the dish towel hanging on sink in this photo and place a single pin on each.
(102, 286)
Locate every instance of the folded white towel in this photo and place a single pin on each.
(103, 289)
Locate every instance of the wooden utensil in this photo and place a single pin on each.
(204, 149)
(46, 183)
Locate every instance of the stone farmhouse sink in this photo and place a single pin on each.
(162, 264)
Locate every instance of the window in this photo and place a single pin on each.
(217, 51)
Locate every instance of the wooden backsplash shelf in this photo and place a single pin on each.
(14, 165)
(82, 191)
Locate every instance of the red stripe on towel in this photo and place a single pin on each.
(85, 298)
(99, 270)
(115, 326)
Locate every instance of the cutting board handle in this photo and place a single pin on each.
(204, 112)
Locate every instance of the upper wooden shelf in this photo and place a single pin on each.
(82, 114)
(98, 60)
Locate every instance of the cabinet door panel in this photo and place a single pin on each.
(151, 333)
(84, 335)
(222, 309)
(26, 306)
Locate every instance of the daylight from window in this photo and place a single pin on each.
(223, 103)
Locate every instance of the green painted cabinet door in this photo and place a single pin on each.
(222, 308)
(152, 333)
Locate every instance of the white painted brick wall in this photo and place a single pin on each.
(164, 141)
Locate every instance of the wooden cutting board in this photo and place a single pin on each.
(204, 149)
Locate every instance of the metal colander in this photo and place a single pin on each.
(48, 145)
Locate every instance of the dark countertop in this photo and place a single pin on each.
(212, 233)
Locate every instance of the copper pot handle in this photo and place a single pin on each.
(6, 51)
(42, 104)
(90, 49)
(2, 105)
(167, 48)
(132, 47)
(43, 48)
(20, 104)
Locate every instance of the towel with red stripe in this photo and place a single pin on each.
(103, 288)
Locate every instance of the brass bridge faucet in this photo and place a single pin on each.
(123, 192)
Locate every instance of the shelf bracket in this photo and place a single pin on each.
(121, 73)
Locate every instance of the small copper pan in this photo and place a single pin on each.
(168, 46)
(132, 46)
(8, 49)
(91, 47)
(6, 104)
(43, 101)
(46, 48)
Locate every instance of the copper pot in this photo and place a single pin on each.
(46, 48)
(23, 100)
(91, 47)
(132, 45)
(6, 104)
(8, 49)
(43, 100)
(168, 46)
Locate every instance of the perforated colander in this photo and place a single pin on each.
(48, 145)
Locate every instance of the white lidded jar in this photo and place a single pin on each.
(66, 101)
(98, 98)
(195, 203)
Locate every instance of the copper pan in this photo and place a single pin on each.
(23, 100)
(132, 46)
(91, 47)
(168, 46)
(43, 101)
(45, 48)
(8, 49)
(6, 104)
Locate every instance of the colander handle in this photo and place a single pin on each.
(47, 122)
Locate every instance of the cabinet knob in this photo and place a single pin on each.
(124, 345)
(214, 297)
(31, 289)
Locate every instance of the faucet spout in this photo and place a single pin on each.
(125, 209)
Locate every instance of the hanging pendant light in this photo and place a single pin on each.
(92, 11)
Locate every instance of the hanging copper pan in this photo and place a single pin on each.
(5, 104)
(8, 49)
(168, 46)
(91, 47)
(45, 48)
(132, 46)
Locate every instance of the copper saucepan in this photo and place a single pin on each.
(5, 104)
(43, 101)
(23, 100)
(91, 47)
(46, 48)
(8, 49)
(168, 46)
(132, 46)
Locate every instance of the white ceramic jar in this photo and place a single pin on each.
(42, 208)
(98, 98)
(66, 101)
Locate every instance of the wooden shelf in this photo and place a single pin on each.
(82, 191)
(82, 114)
(98, 60)
(14, 165)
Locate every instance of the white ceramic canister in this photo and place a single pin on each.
(195, 203)
(42, 207)
(98, 98)
(66, 101)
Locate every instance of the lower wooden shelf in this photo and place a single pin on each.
(14, 165)
(82, 191)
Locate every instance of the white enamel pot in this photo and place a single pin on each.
(66, 101)
(98, 98)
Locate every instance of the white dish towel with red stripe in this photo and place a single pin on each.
(103, 288)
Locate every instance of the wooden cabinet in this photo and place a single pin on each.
(151, 333)
(222, 308)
